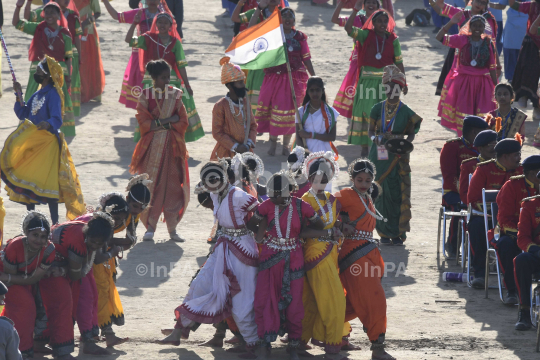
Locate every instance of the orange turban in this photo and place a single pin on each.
(230, 72)
(391, 73)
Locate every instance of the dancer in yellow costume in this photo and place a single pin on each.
(110, 310)
(323, 297)
(36, 165)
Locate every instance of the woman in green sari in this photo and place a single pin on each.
(379, 47)
(391, 119)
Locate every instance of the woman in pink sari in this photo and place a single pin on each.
(473, 82)
(276, 111)
(161, 153)
(278, 296)
(345, 96)
(477, 7)
(133, 76)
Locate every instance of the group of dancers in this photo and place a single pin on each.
(284, 251)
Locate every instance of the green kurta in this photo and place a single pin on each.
(394, 202)
(68, 119)
(195, 130)
(368, 91)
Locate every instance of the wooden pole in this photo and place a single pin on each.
(302, 141)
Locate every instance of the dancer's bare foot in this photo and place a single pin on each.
(239, 349)
(380, 354)
(66, 357)
(113, 340)
(215, 341)
(167, 332)
(347, 346)
(272, 150)
(90, 348)
(328, 356)
(234, 340)
(42, 348)
(172, 339)
(303, 353)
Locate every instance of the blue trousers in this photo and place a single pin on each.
(500, 26)
(510, 62)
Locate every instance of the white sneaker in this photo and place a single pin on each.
(175, 237)
(522, 102)
(536, 114)
(148, 236)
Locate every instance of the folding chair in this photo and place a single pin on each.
(535, 307)
(444, 214)
(489, 198)
(464, 239)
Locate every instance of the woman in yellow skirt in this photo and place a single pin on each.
(323, 296)
(35, 162)
(110, 310)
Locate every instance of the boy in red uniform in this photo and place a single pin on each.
(452, 154)
(485, 142)
(509, 202)
(489, 175)
(527, 263)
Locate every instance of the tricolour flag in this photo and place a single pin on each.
(261, 46)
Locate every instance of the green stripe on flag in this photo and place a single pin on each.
(267, 59)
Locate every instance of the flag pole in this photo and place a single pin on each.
(301, 141)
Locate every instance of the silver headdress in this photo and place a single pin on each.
(210, 168)
(104, 215)
(143, 179)
(329, 158)
(287, 179)
(259, 168)
(139, 179)
(300, 153)
(29, 216)
(106, 197)
(366, 169)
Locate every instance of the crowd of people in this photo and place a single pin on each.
(284, 248)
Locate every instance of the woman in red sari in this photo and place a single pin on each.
(161, 152)
(93, 76)
(77, 243)
(27, 259)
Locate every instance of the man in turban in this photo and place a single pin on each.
(233, 124)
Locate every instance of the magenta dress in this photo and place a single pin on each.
(449, 11)
(471, 87)
(278, 296)
(133, 77)
(344, 99)
(276, 111)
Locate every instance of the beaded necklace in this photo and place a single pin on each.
(289, 220)
(330, 215)
(377, 216)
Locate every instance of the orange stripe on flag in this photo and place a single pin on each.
(253, 33)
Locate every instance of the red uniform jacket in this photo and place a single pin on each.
(509, 202)
(529, 219)
(489, 175)
(467, 168)
(452, 154)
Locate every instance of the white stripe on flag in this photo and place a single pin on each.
(248, 52)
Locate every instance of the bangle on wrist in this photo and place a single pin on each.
(356, 10)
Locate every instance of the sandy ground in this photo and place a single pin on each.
(420, 326)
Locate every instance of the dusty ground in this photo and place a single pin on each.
(419, 326)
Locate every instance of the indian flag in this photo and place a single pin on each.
(261, 46)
